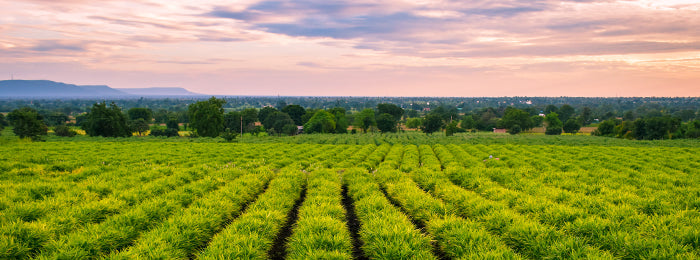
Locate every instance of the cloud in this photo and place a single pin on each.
(55, 45)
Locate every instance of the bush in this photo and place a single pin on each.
(553, 131)
(63, 130)
(170, 132)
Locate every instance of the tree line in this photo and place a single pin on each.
(208, 118)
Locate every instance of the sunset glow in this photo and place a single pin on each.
(360, 48)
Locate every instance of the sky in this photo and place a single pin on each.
(467, 48)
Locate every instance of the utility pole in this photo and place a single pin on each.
(241, 126)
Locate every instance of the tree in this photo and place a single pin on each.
(140, 126)
(554, 125)
(295, 112)
(414, 123)
(140, 112)
(606, 128)
(467, 122)
(265, 112)
(395, 111)
(106, 122)
(571, 126)
(56, 118)
(364, 120)
(63, 130)
(514, 130)
(513, 117)
(536, 120)
(321, 122)
(173, 124)
(565, 112)
(586, 116)
(451, 128)
(432, 123)
(386, 123)
(551, 109)
(27, 123)
(207, 117)
(2, 122)
(341, 121)
(277, 120)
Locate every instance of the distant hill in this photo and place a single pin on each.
(158, 91)
(52, 89)
(47, 88)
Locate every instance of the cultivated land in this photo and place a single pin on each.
(396, 196)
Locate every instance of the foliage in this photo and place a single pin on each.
(277, 120)
(651, 128)
(139, 112)
(106, 122)
(140, 126)
(55, 118)
(386, 123)
(207, 117)
(27, 123)
(64, 131)
(432, 123)
(467, 122)
(168, 132)
(365, 119)
(321, 122)
(341, 120)
(451, 128)
(554, 125)
(395, 111)
(571, 126)
(566, 112)
(515, 117)
(295, 112)
(414, 123)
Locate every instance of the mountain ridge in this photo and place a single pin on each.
(53, 89)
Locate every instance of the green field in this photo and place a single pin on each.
(373, 196)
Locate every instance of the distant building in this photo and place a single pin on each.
(499, 130)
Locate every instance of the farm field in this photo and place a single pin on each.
(323, 197)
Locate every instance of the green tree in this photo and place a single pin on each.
(27, 123)
(63, 130)
(606, 128)
(173, 124)
(265, 112)
(586, 116)
(295, 112)
(341, 120)
(140, 112)
(395, 111)
(551, 109)
(451, 128)
(140, 126)
(107, 122)
(386, 123)
(207, 117)
(432, 123)
(2, 122)
(571, 126)
(414, 123)
(536, 120)
(554, 125)
(364, 120)
(321, 122)
(513, 117)
(56, 118)
(277, 120)
(467, 122)
(565, 112)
